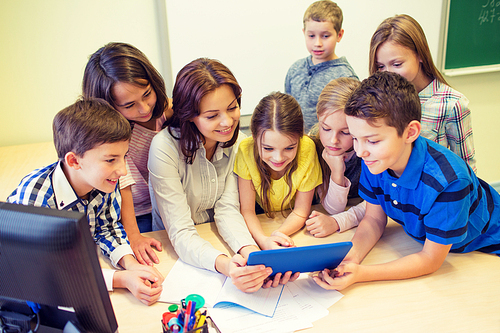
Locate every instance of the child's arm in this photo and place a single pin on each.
(297, 218)
(421, 263)
(142, 246)
(335, 199)
(368, 233)
(247, 207)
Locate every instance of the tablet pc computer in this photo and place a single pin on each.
(301, 259)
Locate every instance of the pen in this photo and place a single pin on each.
(192, 317)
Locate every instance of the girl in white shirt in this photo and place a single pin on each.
(191, 174)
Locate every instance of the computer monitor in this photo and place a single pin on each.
(48, 257)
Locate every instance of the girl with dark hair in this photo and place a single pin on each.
(191, 173)
(124, 77)
(277, 167)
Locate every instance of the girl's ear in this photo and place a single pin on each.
(413, 131)
(72, 160)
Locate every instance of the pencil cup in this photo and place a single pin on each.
(201, 329)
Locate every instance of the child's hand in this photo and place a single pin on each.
(277, 240)
(139, 284)
(336, 163)
(340, 278)
(248, 279)
(321, 225)
(142, 247)
(158, 277)
(280, 279)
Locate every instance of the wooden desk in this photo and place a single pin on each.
(462, 296)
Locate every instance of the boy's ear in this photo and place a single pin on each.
(72, 160)
(340, 35)
(413, 131)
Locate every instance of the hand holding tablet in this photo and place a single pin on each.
(301, 259)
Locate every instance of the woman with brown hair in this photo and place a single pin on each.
(191, 173)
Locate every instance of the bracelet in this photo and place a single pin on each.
(304, 217)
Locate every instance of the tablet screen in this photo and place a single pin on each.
(301, 259)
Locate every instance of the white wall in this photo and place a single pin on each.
(259, 40)
(44, 47)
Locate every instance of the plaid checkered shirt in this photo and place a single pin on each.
(49, 187)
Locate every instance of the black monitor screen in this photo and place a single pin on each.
(48, 257)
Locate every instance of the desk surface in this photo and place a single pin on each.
(462, 296)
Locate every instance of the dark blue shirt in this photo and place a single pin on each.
(438, 197)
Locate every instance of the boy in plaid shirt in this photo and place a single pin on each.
(91, 141)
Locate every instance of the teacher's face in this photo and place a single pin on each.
(219, 116)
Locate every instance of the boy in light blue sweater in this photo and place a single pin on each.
(307, 77)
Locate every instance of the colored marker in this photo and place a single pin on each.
(187, 315)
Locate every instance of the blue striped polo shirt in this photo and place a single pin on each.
(438, 197)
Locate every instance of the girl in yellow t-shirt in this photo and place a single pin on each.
(278, 168)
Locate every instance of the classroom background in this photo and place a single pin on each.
(46, 44)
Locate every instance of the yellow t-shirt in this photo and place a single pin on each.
(305, 178)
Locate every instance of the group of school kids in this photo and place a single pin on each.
(399, 142)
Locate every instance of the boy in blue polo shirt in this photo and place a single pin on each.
(91, 140)
(419, 184)
(307, 77)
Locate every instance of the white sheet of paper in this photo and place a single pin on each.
(232, 318)
(324, 297)
(310, 309)
(263, 301)
(184, 279)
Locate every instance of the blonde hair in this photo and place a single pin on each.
(332, 99)
(405, 31)
(322, 11)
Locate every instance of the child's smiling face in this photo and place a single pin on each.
(277, 151)
(379, 145)
(134, 102)
(100, 168)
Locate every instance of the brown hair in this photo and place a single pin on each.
(121, 62)
(87, 124)
(281, 113)
(323, 11)
(405, 31)
(388, 96)
(193, 82)
(332, 99)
